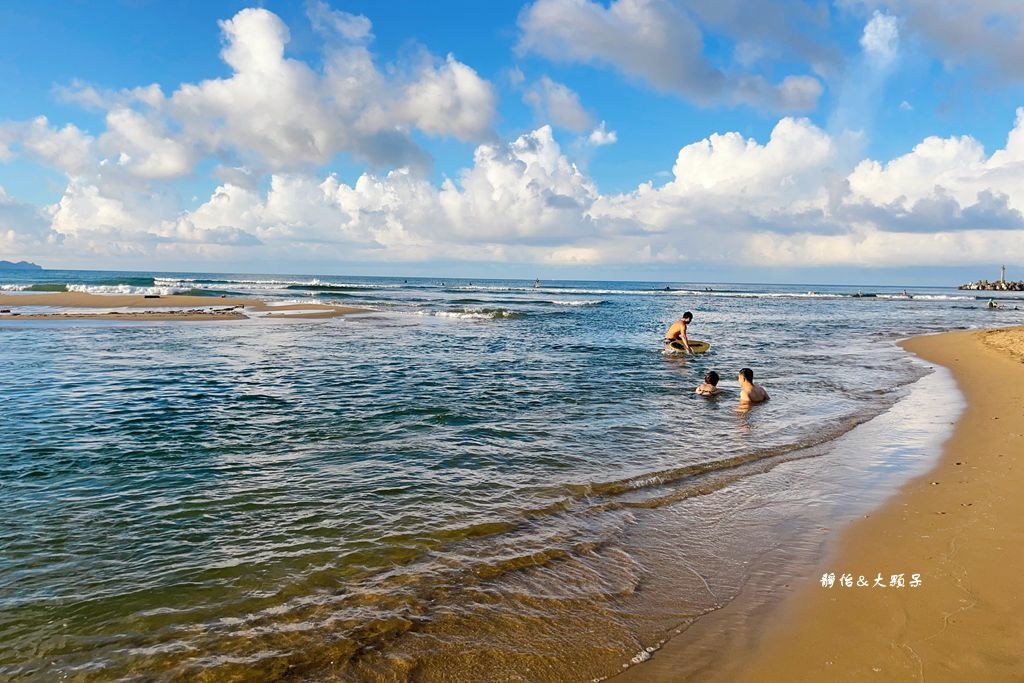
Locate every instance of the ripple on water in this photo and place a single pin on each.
(426, 495)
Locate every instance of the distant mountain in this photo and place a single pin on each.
(20, 265)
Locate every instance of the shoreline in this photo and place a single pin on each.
(959, 525)
(172, 307)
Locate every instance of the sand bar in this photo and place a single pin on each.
(306, 311)
(183, 307)
(84, 300)
(187, 315)
(961, 527)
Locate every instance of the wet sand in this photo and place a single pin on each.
(185, 315)
(960, 528)
(184, 307)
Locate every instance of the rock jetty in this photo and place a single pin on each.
(1000, 285)
(997, 286)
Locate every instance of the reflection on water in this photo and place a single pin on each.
(411, 494)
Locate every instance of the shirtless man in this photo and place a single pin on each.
(677, 332)
(750, 392)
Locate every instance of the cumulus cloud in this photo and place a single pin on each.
(274, 112)
(785, 201)
(525, 192)
(450, 99)
(794, 198)
(557, 104)
(144, 146)
(655, 42)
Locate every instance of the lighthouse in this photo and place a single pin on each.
(1002, 275)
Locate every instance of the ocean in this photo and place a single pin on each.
(477, 480)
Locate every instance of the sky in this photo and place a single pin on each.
(680, 140)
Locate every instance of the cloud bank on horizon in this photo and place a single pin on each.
(266, 137)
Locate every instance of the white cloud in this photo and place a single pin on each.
(557, 104)
(525, 192)
(449, 100)
(149, 150)
(794, 198)
(653, 41)
(600, 136)
(881, 38)
(84, 209)
(274, 112)
(67, 149)
(786, 201)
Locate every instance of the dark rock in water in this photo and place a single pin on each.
(20, 265)
(997, 286)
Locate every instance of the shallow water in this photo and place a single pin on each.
(451, 486)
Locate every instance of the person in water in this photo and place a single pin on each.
(710, 386)
(750, 392)
(992, 304)
(677, 332)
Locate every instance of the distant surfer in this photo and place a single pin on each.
(536, 283)
(677, 332)
(710, 386)
(750, 392)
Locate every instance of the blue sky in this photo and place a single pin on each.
(866, 139)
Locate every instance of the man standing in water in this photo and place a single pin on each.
(750, 392)
(677, 332)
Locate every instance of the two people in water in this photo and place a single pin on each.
(749, 392)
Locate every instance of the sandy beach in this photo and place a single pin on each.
(947, 549)
(182, 307)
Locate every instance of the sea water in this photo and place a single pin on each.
(477, 479)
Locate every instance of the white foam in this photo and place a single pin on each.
(475, 314)
(124, 289)
(202, 283)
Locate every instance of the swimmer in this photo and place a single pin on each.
(710, 386)
(750, 392)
